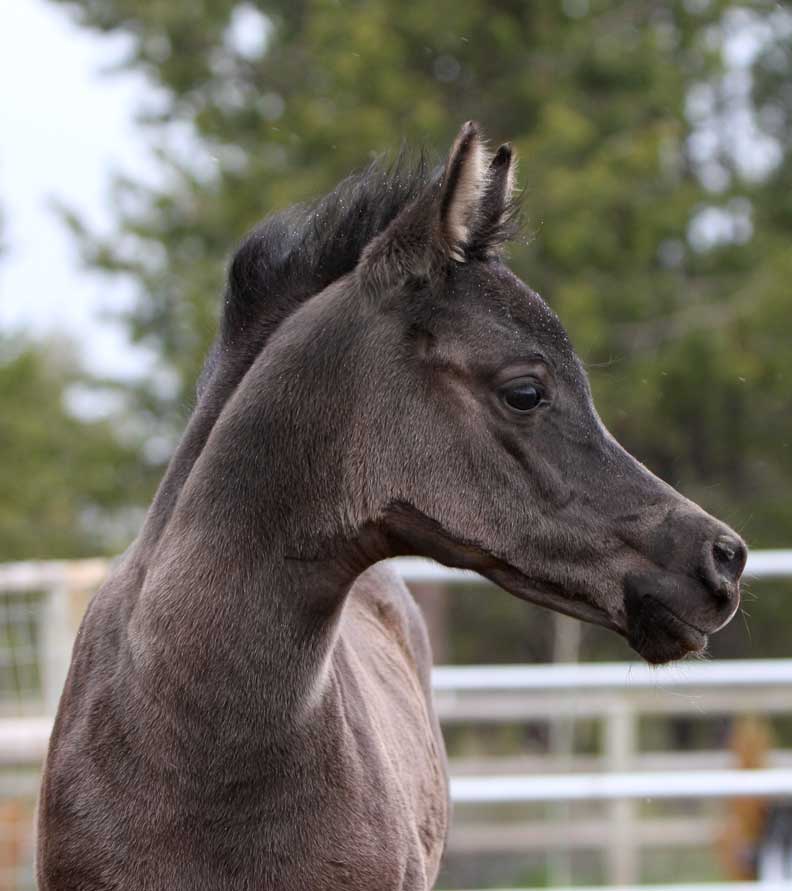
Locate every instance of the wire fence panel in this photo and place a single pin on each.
(20, 651)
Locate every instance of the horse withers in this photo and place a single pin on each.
(249, 703)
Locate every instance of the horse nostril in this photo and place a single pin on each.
(730, 555)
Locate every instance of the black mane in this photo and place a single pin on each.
(284, 261)
(295, 253)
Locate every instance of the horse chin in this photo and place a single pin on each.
(660, 636)
(649, 620)
(655, 630)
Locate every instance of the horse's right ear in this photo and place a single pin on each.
(498, 217)
(437, 227)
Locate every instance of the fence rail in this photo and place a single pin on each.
(45, 574)
(615, 694)
(705, 886)
(577, 678)
(773, 782)
(768, 563)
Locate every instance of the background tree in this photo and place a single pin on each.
(655, 140)
(657, 165)
(70, 485)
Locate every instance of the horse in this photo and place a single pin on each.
(248, 705)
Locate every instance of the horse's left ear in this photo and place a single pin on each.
(439, 225)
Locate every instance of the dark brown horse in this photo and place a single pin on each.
(248, 705)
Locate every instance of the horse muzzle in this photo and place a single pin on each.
(669, 615)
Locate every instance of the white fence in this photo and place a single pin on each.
(36, 633)
(37, 641)
(761, 564)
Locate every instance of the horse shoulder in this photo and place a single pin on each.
(380, 595)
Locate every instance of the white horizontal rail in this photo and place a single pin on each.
(707, 886)
(25, 740)
(576, 677)
(81, 574)
(771, 782)
(579, 677)
(761, 564)
(70, 575)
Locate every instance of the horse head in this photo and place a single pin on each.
(441, 410)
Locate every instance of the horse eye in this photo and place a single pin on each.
(522, 396)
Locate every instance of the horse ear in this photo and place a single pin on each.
(465, 182)
(439, 224)
(497, 209)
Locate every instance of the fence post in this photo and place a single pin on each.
(623, 866)
(567, 634)
(57, 635)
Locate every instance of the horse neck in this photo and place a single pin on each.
(218, 390)
(245, 586)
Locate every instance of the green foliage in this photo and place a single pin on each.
(687, 335)
(67, 483)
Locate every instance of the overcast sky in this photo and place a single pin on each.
(64, 126)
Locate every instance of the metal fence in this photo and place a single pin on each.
(40, 608)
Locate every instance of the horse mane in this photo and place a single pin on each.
(296, 253)
(290, 256)
(287, 259)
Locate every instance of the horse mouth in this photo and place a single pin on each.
(659, 635)
(671, 615)
(652, 627)
(657, 632)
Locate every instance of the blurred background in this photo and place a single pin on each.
(141, 139)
